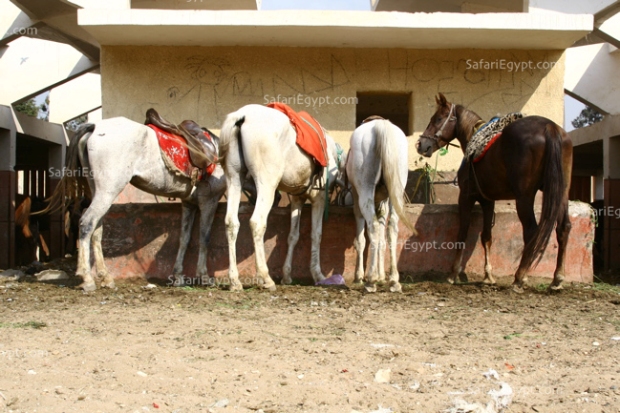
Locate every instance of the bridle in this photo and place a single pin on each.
(439, 134)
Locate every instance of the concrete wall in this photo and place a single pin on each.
(206, 83)
(142, 240)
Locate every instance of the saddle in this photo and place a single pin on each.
(202, 149)
(373, 117)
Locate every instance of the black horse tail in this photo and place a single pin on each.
(553, 196)
(71, 181)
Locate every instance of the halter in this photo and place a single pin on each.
(439, 134)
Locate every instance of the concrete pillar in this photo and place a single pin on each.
(57, 233)
(7, 198)
(611, 164)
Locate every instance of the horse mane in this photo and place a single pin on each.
(467, 123)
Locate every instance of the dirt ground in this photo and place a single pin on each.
(142, 348)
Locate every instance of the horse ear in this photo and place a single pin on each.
(441, 99)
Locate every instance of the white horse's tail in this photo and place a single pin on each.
(231, 130)
(71, 180)
(387, 150)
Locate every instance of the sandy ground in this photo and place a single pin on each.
(308, 349)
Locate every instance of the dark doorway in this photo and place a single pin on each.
(392, 106)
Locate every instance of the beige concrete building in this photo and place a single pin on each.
(203, 59)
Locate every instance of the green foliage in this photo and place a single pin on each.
(30, 108)
(587, 117)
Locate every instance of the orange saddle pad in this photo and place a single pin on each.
(310, 135)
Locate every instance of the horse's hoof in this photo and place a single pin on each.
(370, 288)
(108, 284)
(451, 280)
(236, 286)
(517, 289)
(554, 287)
(286, 281)
(269, 285)
(488, 281)
(396, 288)
(88, 286)
(358, 281)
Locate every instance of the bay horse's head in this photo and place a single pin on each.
(440, 130)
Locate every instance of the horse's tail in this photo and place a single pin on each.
(231, 131)
(68, 185)
(387, 150)
(553, 194)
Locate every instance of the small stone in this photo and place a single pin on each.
(221, 403)
(51, 275)
(11, 275)
(142, 374)
(383, 376)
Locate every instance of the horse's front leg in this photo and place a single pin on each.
(188, 212)
(466, 204)
(293, 237)
(488, 210)
(207, 213)
(318, 208)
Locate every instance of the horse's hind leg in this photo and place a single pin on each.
(562, 230)
(91, 229)
(395, 286)
(360, 239)
(525, 211)
(382, 212)
(318, 208)
(367, 209)
(488, 208)
(258, 224)
(188, 213)
(293, 237)
(233, 183)
(102, 271)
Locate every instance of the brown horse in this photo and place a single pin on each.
(532, 153)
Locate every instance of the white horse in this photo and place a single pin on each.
(377, 170)
(262, 140)
(118, 151)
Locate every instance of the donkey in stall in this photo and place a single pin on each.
(115, 152)
(377, 169)
(262, 141)
(530, 154)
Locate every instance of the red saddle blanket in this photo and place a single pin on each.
(310, 135)
(486, 147)
(174, 148)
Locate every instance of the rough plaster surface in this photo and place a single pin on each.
(206, 83)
